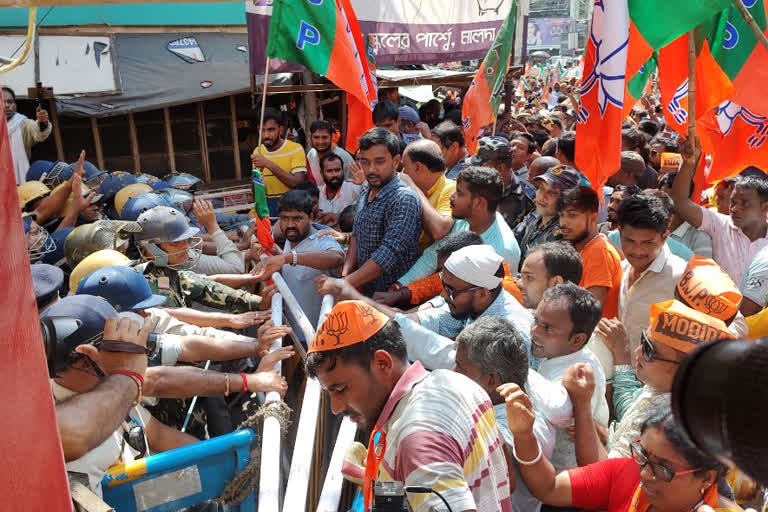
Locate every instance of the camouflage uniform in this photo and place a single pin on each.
(182, 287)
(529, 233)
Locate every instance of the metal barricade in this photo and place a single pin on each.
(269, 480)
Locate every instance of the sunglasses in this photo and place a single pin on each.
(649, 353)
(660, 471)
(452, 292)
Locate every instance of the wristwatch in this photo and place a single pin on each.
(295, 258)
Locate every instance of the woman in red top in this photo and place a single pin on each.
(665, 474)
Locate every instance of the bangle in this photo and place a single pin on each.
(245, 381)
(527, 463)
(226, 384)
(622, 368)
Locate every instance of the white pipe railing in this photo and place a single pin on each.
(298, 477)
(269, 480)
(334, 480)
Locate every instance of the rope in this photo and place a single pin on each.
(246, 481)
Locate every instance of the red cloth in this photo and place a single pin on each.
(606, 485)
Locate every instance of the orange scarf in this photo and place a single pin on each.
(640, 503)
(372, 462)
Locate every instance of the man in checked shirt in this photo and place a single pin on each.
(385, 239)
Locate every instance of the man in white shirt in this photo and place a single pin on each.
(650, 271)
(492, 352)
(23, 133)
(563, 323)
(336, 194)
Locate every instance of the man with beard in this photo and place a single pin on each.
(23, 133)
(336, 194)
(472, 289)
(321, 138)
(385, 237)
(430, 429)
(282, 162)
(305, 255)
(620, 193)
(577, 208)
(473, 205)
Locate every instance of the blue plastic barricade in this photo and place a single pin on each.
(180, 478)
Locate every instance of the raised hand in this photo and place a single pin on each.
(520, 415)
(579, 381)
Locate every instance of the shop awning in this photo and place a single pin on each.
(160, 70)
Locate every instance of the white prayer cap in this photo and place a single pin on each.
(476, 265)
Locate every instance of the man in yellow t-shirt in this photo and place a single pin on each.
(283, 163)
(424, 172)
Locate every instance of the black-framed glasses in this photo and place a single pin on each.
(660, 471)
(452, 292)
(649, 353)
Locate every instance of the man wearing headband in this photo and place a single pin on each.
(674, 330)
(359, 356)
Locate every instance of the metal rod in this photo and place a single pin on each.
(263, 102)
(298, 478)
(294, 307)
(692, 85)
(192, 405)
(269, 480)
(334, 480)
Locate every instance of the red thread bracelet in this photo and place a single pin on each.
(245, 381)
(134, 375)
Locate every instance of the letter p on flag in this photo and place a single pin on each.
(308, 34)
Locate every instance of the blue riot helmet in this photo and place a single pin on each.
(88, 314)
(147, 179)
(115, 181)
(161, 225)
(38, 170)
(56, 257)
(123, 287)
(179, 199)
(57, 174)
(137, 205)
(183, 181)
(93, 175)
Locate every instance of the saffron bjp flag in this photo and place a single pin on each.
(481, 103)
(623, 36)
(359, 118)
(319, 35)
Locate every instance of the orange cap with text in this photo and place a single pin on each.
(682, 328)
(706, 288)
(348, 323)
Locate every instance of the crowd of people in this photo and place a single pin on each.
(507, 335)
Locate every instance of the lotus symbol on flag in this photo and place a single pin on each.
(727, 114)
(675, 108)
(609, 34)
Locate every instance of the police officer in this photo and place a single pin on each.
(47, 281)
(169, 243)
(95, 389)
(98, 236)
